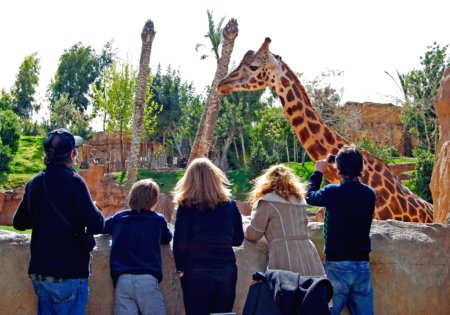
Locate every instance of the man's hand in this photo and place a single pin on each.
(321, 166)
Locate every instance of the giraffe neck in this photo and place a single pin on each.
(316, 137)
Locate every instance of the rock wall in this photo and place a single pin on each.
(410, 271)
(379, 123)
(440, 179)
(9, 201)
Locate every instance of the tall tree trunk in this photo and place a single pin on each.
(303, 157)
(223, 164)
(287, 150)
(244, 155)
(207, 123)
(295, 149)
(122, 155)
(237, 151)
(175, 139)
(147, 36)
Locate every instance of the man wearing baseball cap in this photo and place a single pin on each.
(57, 206)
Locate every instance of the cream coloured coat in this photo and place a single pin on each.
(284, 224)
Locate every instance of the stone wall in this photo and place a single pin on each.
(410, 271)
(379, 123)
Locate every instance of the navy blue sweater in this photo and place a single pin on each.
(350, 207)
(136, 239)
(204, 239)
(55, 250)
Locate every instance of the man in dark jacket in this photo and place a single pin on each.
(348, 217)
(57, 206)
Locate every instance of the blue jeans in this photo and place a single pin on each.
(69, 297)
(351, 285)
(209, 290)
(138, 294)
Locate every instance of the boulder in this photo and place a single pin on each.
(440, 179)
(9, 201)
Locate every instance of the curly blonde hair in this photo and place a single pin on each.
(203, 186)
(280, 180)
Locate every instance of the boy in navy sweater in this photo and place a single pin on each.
(135, 262)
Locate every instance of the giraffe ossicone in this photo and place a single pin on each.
(262, 69)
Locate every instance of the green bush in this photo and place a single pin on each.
(30, 128)
(382, 152)
(10, 129)
(259, 159)
(422, 177)
(5, 157)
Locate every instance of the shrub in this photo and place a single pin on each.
(5, 157)
(10, 129)
(30, 128)
(382, 152)
(422, 177)
(259, 159)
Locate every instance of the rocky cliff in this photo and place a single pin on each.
(440, 179)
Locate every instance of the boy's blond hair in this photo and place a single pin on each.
(203, 186)
(144, 195)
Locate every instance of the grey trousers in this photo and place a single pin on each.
(138, 294)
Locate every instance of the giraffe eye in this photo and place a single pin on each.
(253, 68)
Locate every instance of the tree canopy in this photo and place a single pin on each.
(79, 67)
(24, 89)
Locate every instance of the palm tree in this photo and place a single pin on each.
(147, 36)
(207, 124)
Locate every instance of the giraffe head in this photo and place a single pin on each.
(256, 71)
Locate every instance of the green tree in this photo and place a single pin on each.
(6, 100)
(24, 88)
(419, 87)
(65, 114)
(114, 98)
(10, 129)
(236, 115)
(422, 177)
(5, 157)
(79, 67)
(214, 36)
(324, 98)
(166, 91)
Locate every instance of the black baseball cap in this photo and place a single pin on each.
(59, 143)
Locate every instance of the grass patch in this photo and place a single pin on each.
(11, 229)
(302, 171)
(241, 183)
(27, 161)
(404, 159)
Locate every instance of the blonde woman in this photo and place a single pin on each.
(279, 214)
(208, 224)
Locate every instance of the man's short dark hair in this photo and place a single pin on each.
(349, 161)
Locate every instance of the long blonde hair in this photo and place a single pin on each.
(280, 180)
(203, 186)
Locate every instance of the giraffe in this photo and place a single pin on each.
(264, 69)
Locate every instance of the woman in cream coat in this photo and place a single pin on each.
(279, 214)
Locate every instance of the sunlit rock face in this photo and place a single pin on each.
(440, 180)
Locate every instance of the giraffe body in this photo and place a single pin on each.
(263, 69)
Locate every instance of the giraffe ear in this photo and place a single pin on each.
(264, 47)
